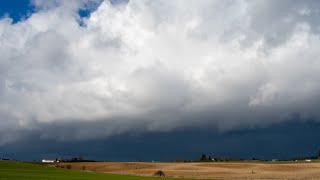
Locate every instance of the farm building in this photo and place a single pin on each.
(47, 161)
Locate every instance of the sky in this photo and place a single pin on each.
(234, 78)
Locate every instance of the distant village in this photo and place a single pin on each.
(75, 159)
(202, 158)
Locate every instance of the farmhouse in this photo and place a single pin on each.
(47, 161)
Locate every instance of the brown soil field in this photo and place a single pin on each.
(229, 170)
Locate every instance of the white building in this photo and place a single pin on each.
(47, 161)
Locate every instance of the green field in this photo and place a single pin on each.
(17, 170)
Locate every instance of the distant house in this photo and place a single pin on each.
(47, 161)
(308, 160)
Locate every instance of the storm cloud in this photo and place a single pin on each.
(157, 66)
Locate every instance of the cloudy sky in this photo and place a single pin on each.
(105, 76)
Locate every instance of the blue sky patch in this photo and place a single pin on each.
(21, 9)
(16, 9)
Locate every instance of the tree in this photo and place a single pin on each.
(203, 157)
(80, 158)
(159, 173)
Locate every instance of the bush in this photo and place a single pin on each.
(68, 166)
(57, 165)
(62, 166)
(83, 168)
(159, 173)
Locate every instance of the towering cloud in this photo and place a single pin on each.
(156, 65)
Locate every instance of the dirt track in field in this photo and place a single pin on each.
(307, 170)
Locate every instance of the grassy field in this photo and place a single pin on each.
(17, 171)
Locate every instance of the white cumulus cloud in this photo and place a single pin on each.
(156, 65)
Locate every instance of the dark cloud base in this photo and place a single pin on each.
(286, 140)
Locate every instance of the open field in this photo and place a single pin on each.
(230, 170)
(108, 170)
(22, 171)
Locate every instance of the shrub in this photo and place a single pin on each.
(83, 168)
(159, 173)
(62, 166)
(57, 165)
(68, 166)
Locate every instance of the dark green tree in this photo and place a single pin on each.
(203, 157)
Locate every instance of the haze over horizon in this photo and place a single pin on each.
(230, 78)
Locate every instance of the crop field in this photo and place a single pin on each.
(211, 170)
(21, 171)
